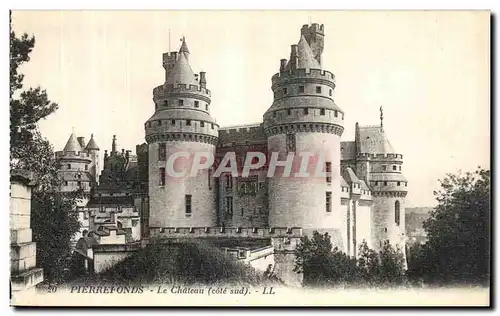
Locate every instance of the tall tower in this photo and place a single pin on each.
(381, 166)
(93, 150)
(181, 125)
(305, 119)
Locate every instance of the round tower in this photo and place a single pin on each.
(303, 120)
(75, 164)
(181, 126)
(387, 182)
(93, 150)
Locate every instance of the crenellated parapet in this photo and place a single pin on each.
(225, 232)
(299, 75)
(380, 157)
(302, 128)
(180, 90)
(74, 155)
(185, 137)
(390, 194)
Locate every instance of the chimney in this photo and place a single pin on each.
(282, 65)
(81, 141)
(203, 80)
(91, 222)
(294, 58)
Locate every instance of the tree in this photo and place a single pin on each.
(323, 266)
(52, 221)
(458, 230)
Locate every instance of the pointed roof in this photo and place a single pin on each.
(92, 144)
(306, 56)
(72, 144)
(184, 48)
(350, 176)
(181, 73)
(374, 141)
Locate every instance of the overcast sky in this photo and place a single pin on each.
(429, 70)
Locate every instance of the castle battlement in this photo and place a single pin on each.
(315, 27)
(303, 73)
(240, 128)
(388, 157)
(237, 232)
(163, 90)
(73, 155)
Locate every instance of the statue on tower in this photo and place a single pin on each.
(381, 117)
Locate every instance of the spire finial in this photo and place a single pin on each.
(73, 129)
(381, 116)
(113, 144)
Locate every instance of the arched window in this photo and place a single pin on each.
(397, 213)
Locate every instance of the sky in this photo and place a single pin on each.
(429, 70)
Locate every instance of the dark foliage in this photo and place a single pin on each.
(186, 263)
(458, 246)
(52, 221)
(323, 266)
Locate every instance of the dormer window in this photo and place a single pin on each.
(196, 104)
(385, 183)
(318, 89)
(181, 102)
(173, 122)
(165, 103)
(188, 122)
(285, 91)
(336, 113)
(301, 89)
(202, 124)
(69, 166)
(330, 93)
(322, 112)
(306, 111)
(206, 107)
(394, 168)
(159, 123)
(289, 112)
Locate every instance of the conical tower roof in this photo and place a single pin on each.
(373, 140)
(92, 144)
(181, 73)
(184, 48)
(72, 144)
(306, 55)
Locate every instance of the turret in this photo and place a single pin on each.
(381, 167)
(75, 164)
(304, 119)
(93, 150)
(181, 122)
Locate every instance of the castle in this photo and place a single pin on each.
(361, 198)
